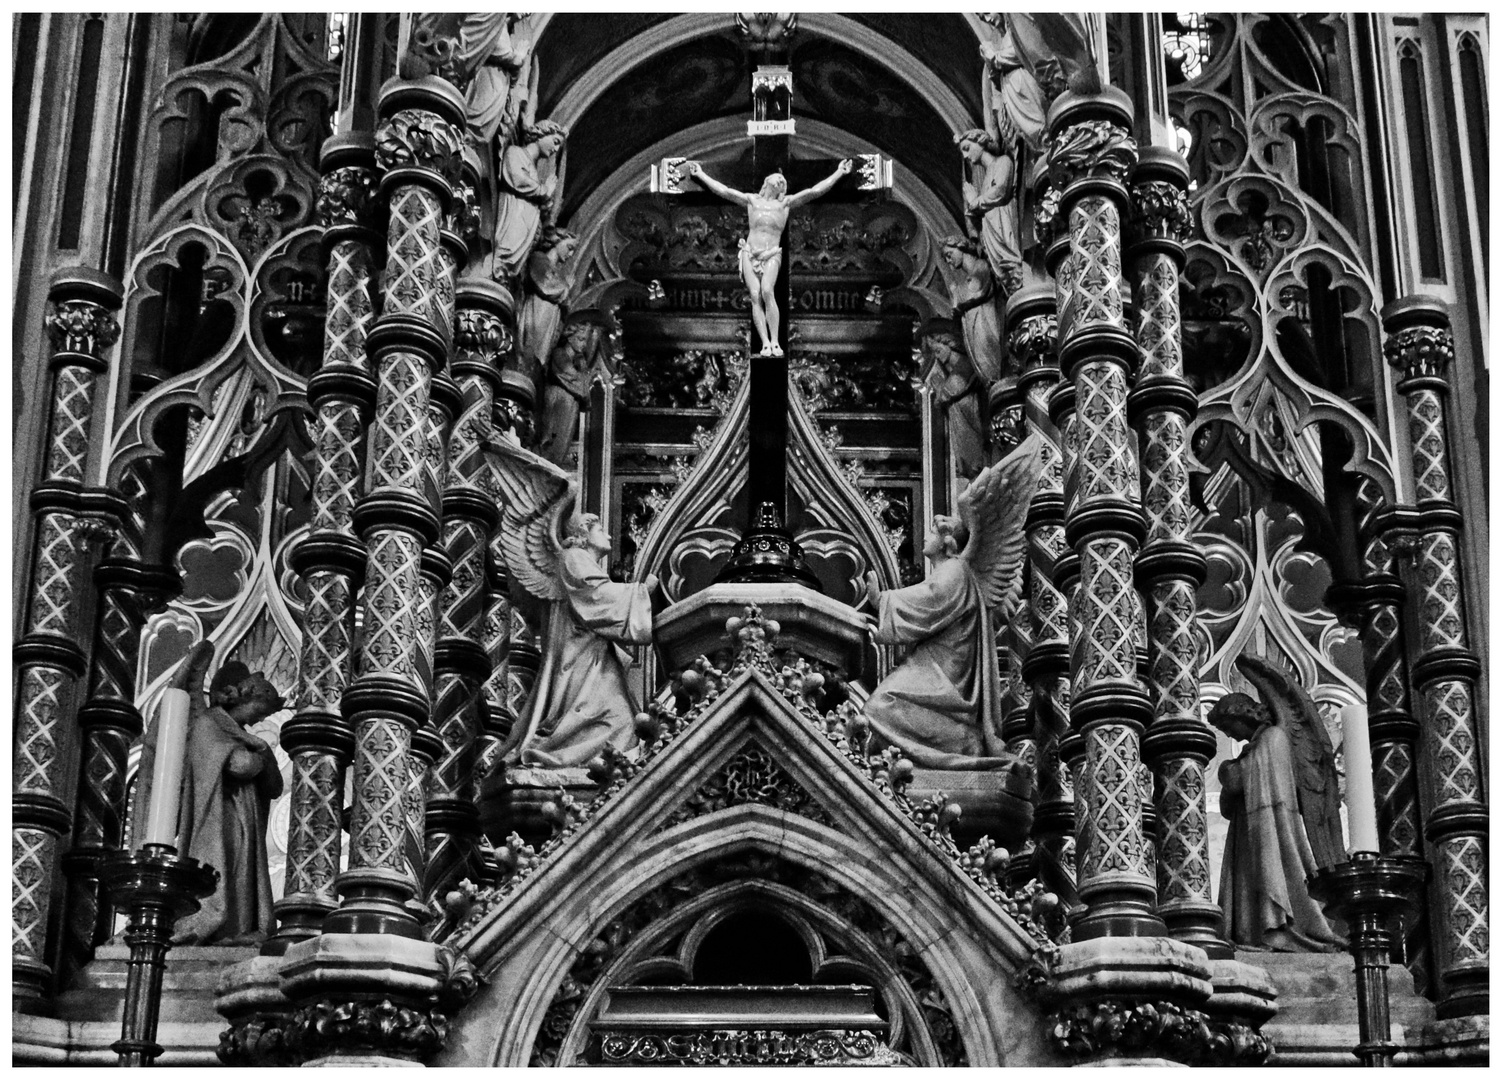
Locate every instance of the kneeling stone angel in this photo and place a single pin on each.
(581, 702)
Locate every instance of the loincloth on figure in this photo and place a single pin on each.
(757, 257)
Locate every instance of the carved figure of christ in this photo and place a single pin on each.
(761, 251)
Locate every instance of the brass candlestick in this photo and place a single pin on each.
(155, 886)
(1369, 891)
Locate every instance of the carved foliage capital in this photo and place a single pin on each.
(345, 195)
(1096, 148)
(482, 335)
(1421, 351)
(1035, 341)
(365, 1027)
(416, 137)
(465, 220)
(1153, 1029)
(82, 326)
(1161, 210)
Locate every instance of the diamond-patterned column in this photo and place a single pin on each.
(48, 659)
(1090, 153)
(1421, 346)
(1179, 743)
(417, 149)
(331, 558)
(470, 519)
(1032, 335)
(108, 722)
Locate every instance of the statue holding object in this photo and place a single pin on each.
(991, 205)
(529, 186)
(566, 386)
(229, 781)
(581, 702)
(550, 276)
(1282, 799)
(942, 706)
(761, 251)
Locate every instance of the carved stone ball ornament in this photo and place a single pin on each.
(1153, 1029)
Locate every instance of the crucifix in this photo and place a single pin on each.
(766, 551)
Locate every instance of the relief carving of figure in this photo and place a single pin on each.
(581, 702)
(958, 393)
(975, 306)
(549, 279)
(942, 706)
(528, 186)
(991, 205)
(229, 781)
(566, 387)
(1281, 797)
(761, 250)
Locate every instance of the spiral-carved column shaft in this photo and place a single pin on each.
(1421, 346)
(1178, 744)
(48, 659)
(108, 722)
(1090, 153)
(417, 146)
(331, 558)
(470, 519)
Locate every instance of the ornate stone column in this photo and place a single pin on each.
(470, 518)
(108, 722)
(331, 558)
(49, 661)
(1178, 744)
(417, 146)
(1420, 346)
(1032, 331)
(1090, 153)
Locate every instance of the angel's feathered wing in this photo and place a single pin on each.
(1313, 755)
(994, 509)
(191, 672)
(536, 498)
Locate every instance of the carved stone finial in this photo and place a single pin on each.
(766, 31)
(81, 326)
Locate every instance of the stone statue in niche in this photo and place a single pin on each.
(229, 781)
(549, 278)
(581, 702)
(1281, 797)
(958, 393)
(566, 385)
(991, 205)
(942, 706)
(761, 250)
(528, 186)
(975, 306)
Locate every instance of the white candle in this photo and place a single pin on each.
(167, 772)
(1361, 803)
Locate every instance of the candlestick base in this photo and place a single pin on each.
(1368, 891)
(768, 553)
(155, 886)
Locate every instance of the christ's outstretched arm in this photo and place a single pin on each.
(810, 194)
(697, 172)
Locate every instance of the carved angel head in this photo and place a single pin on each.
(587, 531)
(246, 695)
(974, 143)
(1238, 715)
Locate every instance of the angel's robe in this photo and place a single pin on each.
(1264, 898)
(940, 707)
(518, 220)
(228, 784)
(581, 702)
